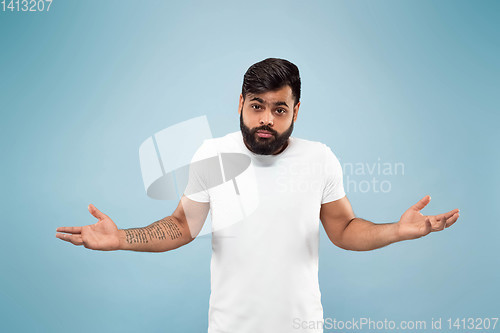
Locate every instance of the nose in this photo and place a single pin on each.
(266, 119)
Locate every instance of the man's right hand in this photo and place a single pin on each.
(103, 235)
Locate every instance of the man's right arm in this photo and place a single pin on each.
(166, 234)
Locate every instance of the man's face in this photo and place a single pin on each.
(266, 120)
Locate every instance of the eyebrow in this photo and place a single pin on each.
(260, 100)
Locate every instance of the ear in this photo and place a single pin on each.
(240, 104)
(296, 111)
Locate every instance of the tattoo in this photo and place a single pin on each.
(157, 231)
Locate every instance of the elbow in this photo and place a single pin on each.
(337, 241)
(346, 245)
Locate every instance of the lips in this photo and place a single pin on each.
(264, 134)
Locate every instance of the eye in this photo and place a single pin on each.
(255, 106)
(281, 111)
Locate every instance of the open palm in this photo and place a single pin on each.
(414, 224)
(103, 235)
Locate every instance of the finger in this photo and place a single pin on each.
(74, 239)
(96, 212)
(428, 225)
(441, 223)
(422, 203)
(71, 230)
(433, 221)
(447, 215)
(452, 220)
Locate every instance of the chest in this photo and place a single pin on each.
(286, 192)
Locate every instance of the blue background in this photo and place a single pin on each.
(83, 85)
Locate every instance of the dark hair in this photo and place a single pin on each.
(271, 74)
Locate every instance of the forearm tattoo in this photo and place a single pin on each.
(157, 231)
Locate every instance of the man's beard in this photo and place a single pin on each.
(264, 146)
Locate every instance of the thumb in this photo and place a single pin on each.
(96, 212)
(422, 203)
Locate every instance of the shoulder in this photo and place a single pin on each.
(311, 146)
(224, 142)
(212, 146)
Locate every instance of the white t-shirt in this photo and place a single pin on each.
(265, 234)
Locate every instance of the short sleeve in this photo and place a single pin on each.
(333, 178)
(197, 189)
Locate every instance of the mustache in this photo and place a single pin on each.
(264, 128)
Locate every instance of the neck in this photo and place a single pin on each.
(279, 151)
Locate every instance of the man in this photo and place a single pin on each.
(265, 267)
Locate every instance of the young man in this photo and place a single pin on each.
(264, 270)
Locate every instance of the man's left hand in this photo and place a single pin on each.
(414, 224)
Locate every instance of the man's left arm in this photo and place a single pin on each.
(352, 233)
